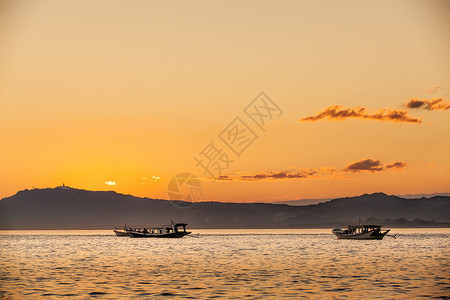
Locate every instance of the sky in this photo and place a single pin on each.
(277, 100)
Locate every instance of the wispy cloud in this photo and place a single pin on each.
(428, 104)
(338, 112)
(371, 165)
(433, 89)
(279, 175)
(398, 165)
(153, 178)
(110, 182)
(365, 165)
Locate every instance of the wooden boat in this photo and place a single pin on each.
(360, 232)
(120, 232)
(172, 230)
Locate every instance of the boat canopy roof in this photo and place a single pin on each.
(366, 226)
(175, 224)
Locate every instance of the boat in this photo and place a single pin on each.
(172, 230)
(360, 232)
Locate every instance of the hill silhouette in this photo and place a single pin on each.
(68, 208)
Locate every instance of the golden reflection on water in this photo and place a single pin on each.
(249, 264)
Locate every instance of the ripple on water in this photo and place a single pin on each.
(97, 293)
(224, 266)
(170, 294)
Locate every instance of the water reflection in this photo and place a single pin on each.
(224, 264)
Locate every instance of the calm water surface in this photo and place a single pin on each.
(250, 264)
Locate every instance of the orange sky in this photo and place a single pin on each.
(114, 91)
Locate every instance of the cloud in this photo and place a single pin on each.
(110, 182)
(338, 112)
(153, 178)
(398, 165)
(365, 165)
(371, 165)
(428, 104)
(433, 89)
(301, 173)
(278, 175)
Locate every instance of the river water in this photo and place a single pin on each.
(227, 264)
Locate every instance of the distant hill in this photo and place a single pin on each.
(301, 202)
(411, 196)
(67, 208)
(298, 202)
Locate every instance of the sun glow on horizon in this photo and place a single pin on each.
(120, 97)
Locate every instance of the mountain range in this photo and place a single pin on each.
(320, 200)
(69, 208)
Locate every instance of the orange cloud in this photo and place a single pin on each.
(299, 173)
(399, 165)
(433, 89)
(365, 165)
(369, 165)
(434, 104)
(338, 112)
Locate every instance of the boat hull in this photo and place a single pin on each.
(120, 232)
(136, 234)
(371, 235)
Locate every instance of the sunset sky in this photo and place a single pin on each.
(124, 95)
